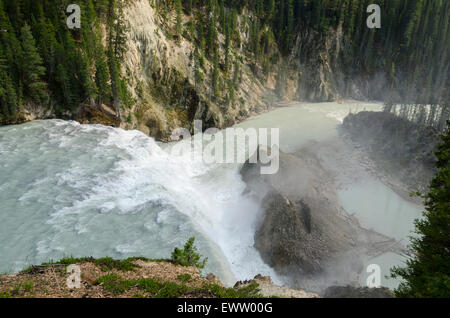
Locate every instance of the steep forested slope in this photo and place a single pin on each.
(232, 57)
(407, 59)
(43, 62)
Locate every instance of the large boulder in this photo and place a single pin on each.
(284, 239)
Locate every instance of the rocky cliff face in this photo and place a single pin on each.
(160, 67)
(160, 70)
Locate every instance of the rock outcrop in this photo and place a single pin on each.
(268, 289)
(283, 239)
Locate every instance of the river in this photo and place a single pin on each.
(88, 190)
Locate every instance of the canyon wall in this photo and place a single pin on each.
(160, 68)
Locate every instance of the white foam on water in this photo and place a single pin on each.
(104, 183)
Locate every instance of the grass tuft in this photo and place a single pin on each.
(28, 286)
(184, 278)
(156, 288)
(250, 291)
(5, 294)
(114, 283)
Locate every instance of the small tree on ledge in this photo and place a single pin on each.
(188, 256)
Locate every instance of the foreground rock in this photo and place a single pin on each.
(268, 289)
(304, 234)
(286, 241)
(399, 147)
(357, 292)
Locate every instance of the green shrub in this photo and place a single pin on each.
(188, 256)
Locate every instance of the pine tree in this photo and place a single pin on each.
(271, 11)
(427, 274)
(231, 92)
(188, 6)
(12, 50)
(32, 70)
(179, 18)
(102, 76)
(197, 73)
(236, 74)
(227, 31)
(201, 37)
(215, 74)
(290, 24)
(65, 87)
(8, 96)
(118, 31)
(211, 29)
(116, 50)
